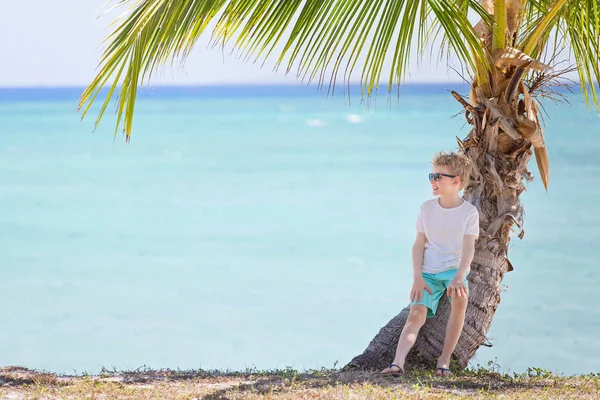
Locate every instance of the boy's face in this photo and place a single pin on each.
(444, 185)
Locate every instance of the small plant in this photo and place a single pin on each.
(539, 372)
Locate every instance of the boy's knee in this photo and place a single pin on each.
(418, 313)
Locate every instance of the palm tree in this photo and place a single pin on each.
(511, 56)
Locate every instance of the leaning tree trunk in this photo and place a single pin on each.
(505, 128)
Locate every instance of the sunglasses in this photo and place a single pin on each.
(436, 177)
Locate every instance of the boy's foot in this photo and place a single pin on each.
(393, 369)
(443, 372)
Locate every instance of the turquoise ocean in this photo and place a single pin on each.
(266, 227)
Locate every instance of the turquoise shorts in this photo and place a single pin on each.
(438, 283)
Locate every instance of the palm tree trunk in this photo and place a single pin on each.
(499, 151)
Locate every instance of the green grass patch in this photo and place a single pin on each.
(288, 383)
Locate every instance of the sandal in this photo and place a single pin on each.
(443, 372)
(392, 372)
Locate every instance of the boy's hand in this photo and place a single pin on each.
(416, 294)
(457, 288)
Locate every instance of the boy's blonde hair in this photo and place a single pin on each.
(457, 164)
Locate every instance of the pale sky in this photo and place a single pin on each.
(57, 43)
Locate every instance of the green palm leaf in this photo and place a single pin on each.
(325, 38)
(576, 25)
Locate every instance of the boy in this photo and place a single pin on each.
(447, 228)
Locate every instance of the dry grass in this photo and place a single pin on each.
(21, 383)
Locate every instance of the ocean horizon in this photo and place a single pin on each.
(41, 92)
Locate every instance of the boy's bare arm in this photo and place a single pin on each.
(457, 287)
(468, 251)
(418, 249)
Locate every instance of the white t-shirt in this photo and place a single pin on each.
(445, 229)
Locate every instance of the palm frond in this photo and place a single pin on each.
(500, 25)
(575, 24)
(544, 23)
(583, 30)
(322, 36)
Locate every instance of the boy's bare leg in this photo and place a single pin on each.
(414, 322)
(453, 331)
